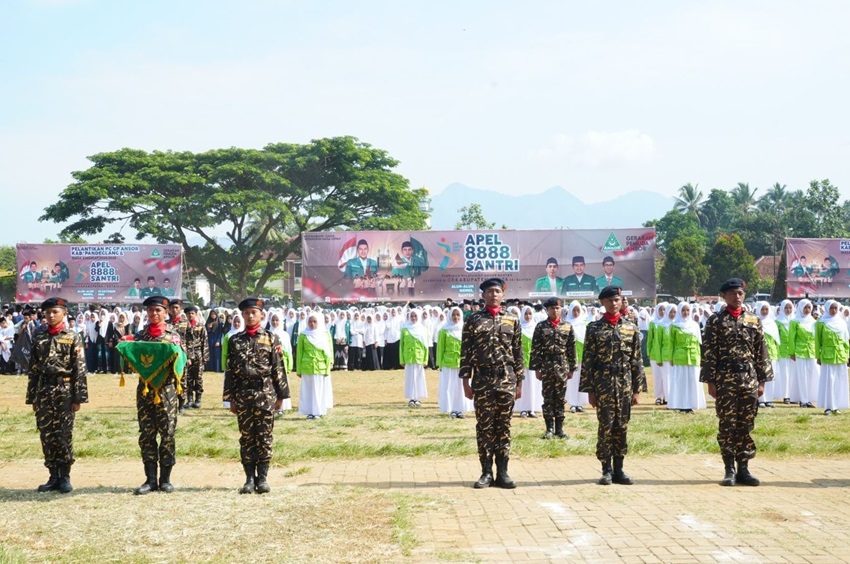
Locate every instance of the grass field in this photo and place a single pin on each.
(321, 523)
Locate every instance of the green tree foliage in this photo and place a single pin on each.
(238, 202)
(729, 258)
(822, 202)
(744, 197)
(720, 213)
(689, 201)
(684, 271)
(472, 217)
(676, 225)
(8, 272)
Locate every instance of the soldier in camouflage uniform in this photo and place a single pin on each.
(157, 418)
(612, 375)
(735, 365)
(255, 384)
(56, 388)
(553, 358)
(491, 354)
(178, 322)
(198, 352)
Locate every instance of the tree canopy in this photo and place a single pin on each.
(238, 213)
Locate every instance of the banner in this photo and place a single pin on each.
(349, 266)
(98, 273)
(819, 268)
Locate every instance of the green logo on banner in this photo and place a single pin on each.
(156, 254)
(612, 243)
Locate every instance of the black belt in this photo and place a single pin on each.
(736, 366)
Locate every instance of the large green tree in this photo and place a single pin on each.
(822, 202)
(684, 271)
(228, 207)
(728, 258)
(8, 272)
(675, 225)
(720, 213)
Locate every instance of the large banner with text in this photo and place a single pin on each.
(818, 268)
(98, 273)
(347, 266)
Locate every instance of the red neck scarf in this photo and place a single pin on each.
(494, 310)
(157, 330)
(57, 329)
(252, 330)
(555, 322)
(612, 318)
(735, 313)
(193, 322)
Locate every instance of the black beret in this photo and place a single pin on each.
(732, 284)
(190, 308)
(552, 302)
(175, 301)
(54, 302)
(610, 292)
(489, 283)
(251, 302)
(160, 301)
(578, 258)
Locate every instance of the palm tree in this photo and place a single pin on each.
(689, 200)
(744, 197)
(775, 200)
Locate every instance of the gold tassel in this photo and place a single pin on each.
(156, 399)
(121, 382)
(145, 391)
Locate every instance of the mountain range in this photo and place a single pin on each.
(555, 208)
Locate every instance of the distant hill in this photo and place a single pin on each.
(551, 209)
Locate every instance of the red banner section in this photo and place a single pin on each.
(98, 273)
(349, 266)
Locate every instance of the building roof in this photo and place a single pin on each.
(768, 266)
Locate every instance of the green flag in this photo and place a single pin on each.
(153, 361)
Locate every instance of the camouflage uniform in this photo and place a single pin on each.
(181, 327)
(198, 351)
(735, 360)
(612, 370)
(254, 379)
(158, 419)
(491, 354)
(553, 358)
(57, 379)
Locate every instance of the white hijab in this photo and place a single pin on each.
(781, 317)
(455, 330)
(280, 331)
(578, 322)
(807, 322)
(768, 322)
(835, 322)
(233, 328)
(318, 337)
(658, 318)
(687, 323)
(527, 326)
(418, 329)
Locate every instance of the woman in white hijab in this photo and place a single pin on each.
(771, 341)
(654, 343)
(413, 354)
(685, 392)
(450, 398)
(783, 375)
(832, 343)
(531, 400)
(804, 383)
(315, 359)
(576, 318)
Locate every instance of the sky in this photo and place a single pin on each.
(602, 98)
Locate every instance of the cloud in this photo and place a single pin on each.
(600, 149)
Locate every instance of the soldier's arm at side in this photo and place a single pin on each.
(228, 372)
(34, 374)
(708, 363)
(761, 358)
(572, 363)
(205, 345)
(636, 368)
(536, 343)
(79, 384)
(516, 353)
(465, 369)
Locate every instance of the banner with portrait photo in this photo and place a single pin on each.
(348, 266)
(98, 273)
(819, 268)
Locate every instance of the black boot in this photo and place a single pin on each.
(64, 483)
(197, 404)
(150, 480)
(165, 478)
(618, 476)
(52, 482)
(743, 476)
(729, 466)
(559, 428)
(606, 478)
(486, 479)
(250, 468)
(550, 427)
(261, 486)
(502, 478)
(181, 403)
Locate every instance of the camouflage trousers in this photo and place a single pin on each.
(256, 427)
(493, 411)
(193, 378)
(613, 416)
(55, 422)
(157, 420)
(554, 394)
(736, 412)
